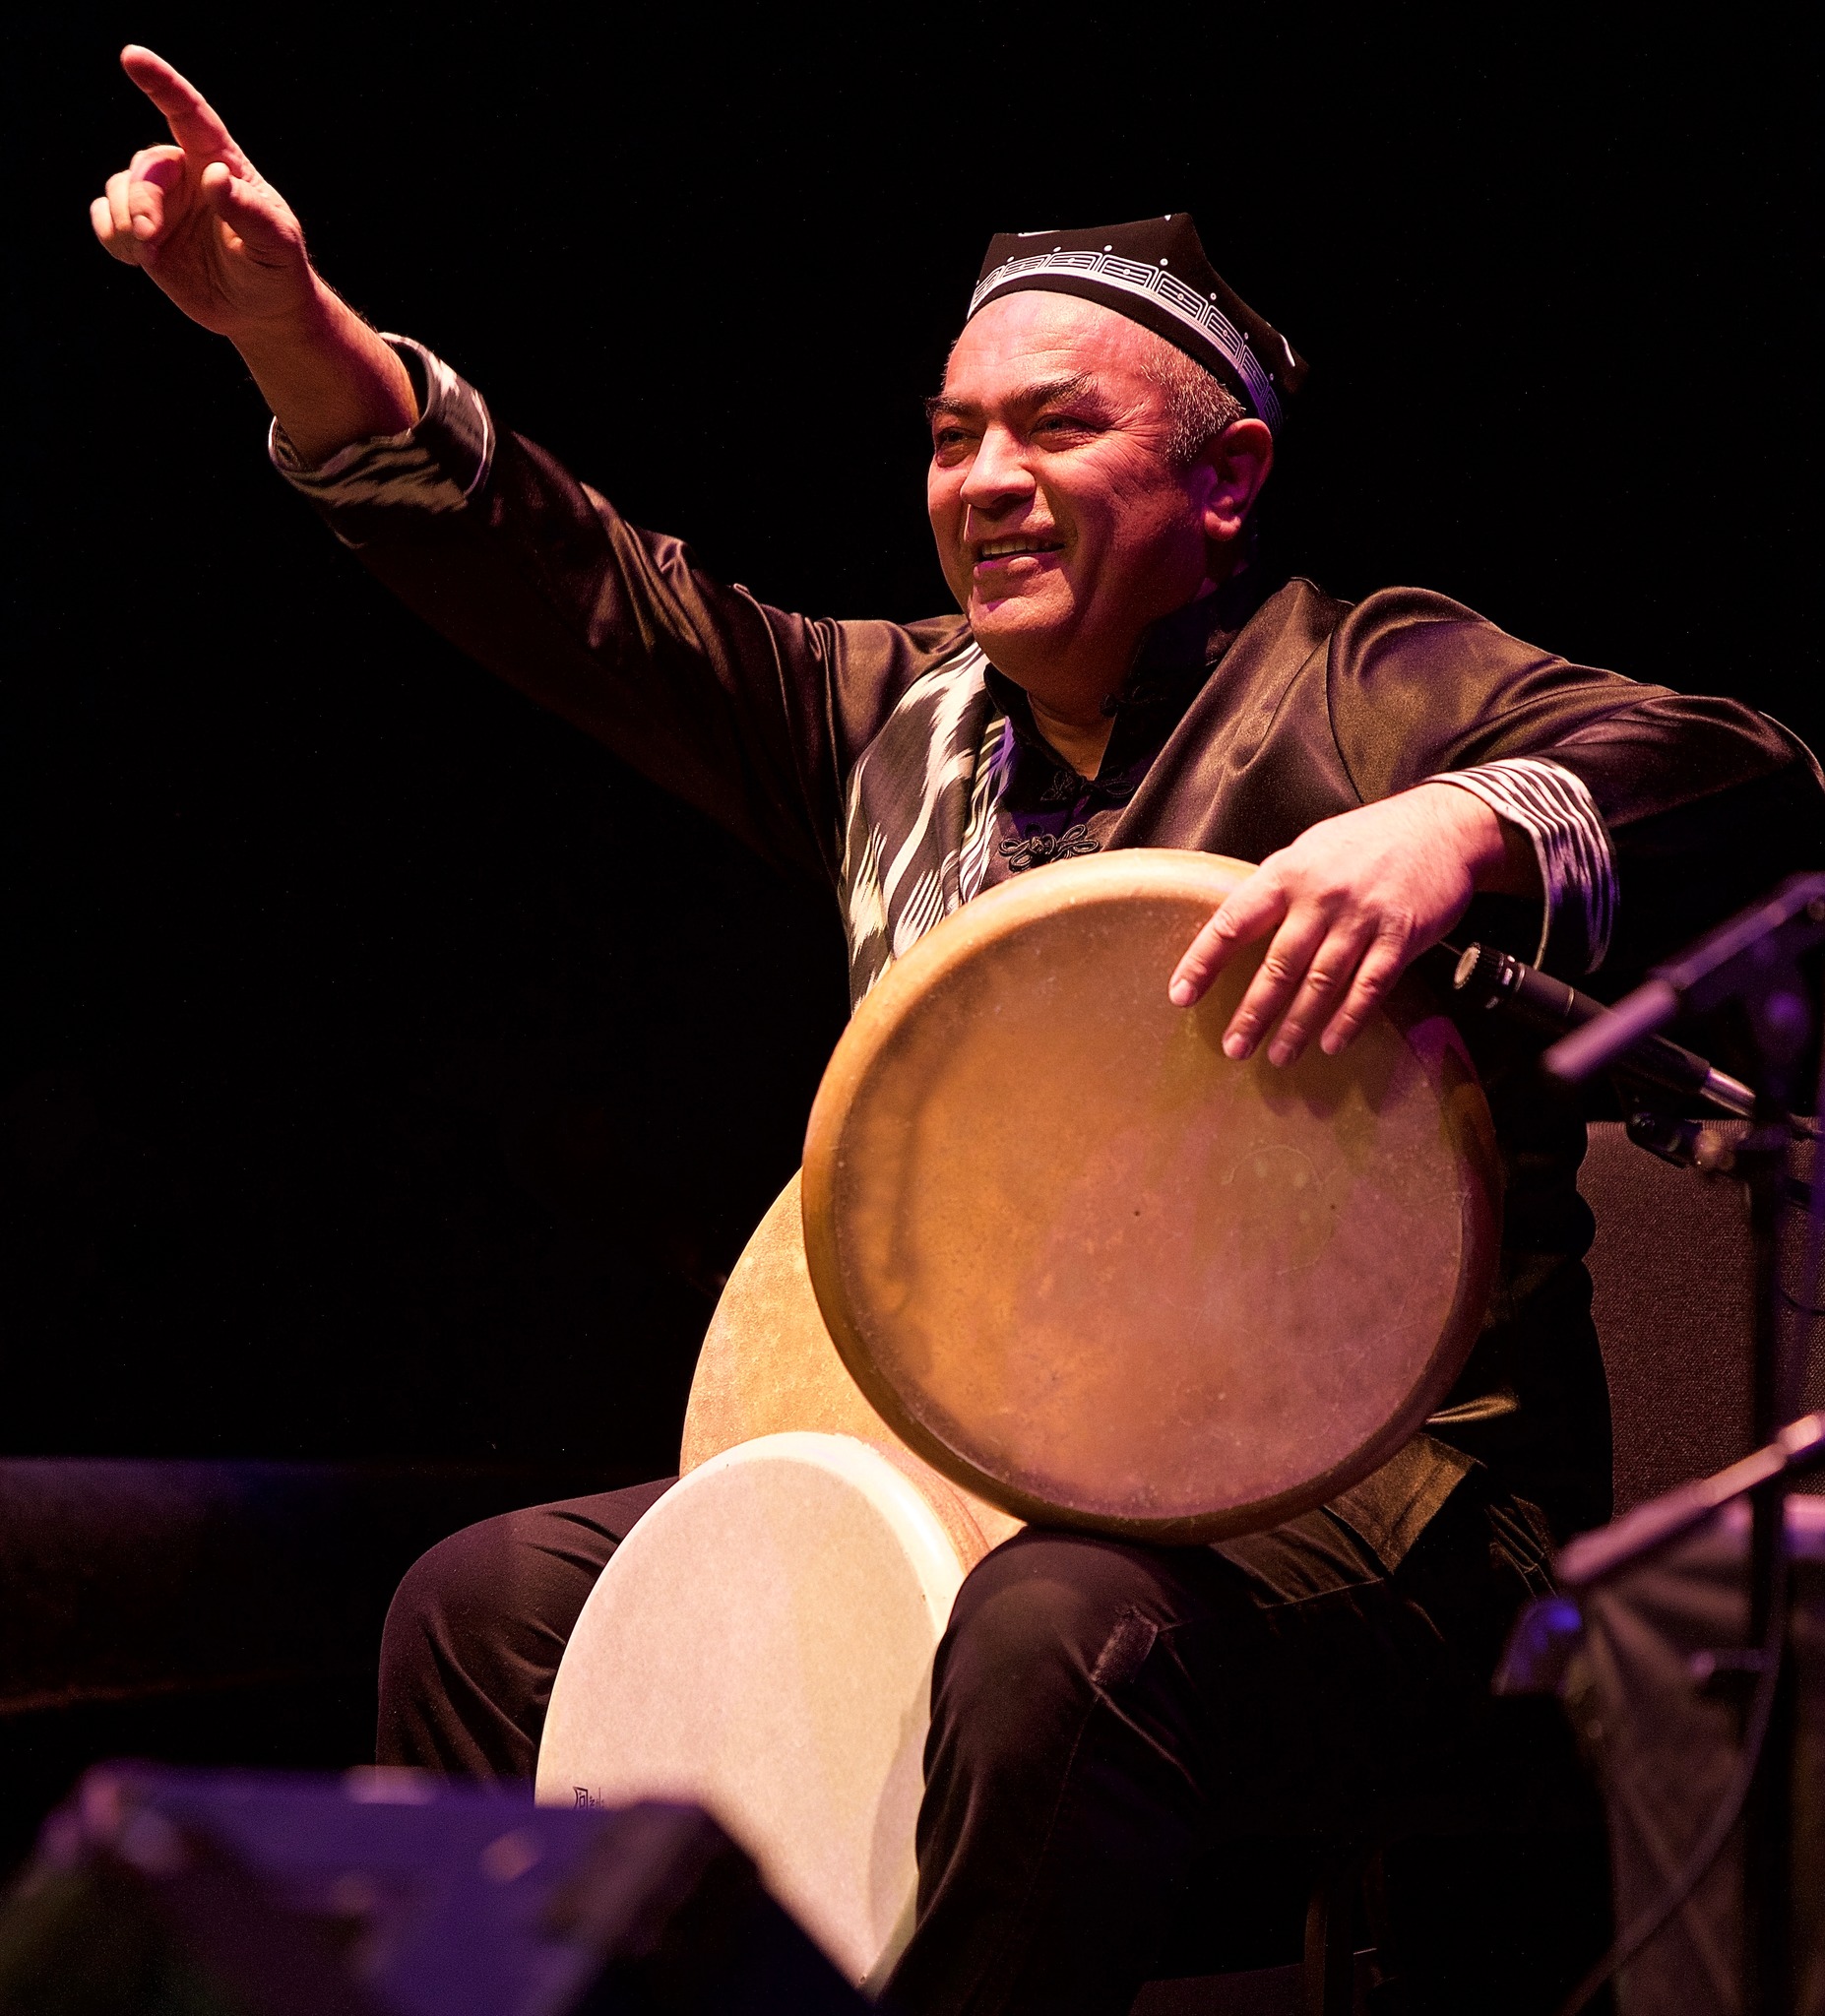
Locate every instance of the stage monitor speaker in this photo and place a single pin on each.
(386, 1893)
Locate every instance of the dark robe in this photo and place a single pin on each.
(1308, 707)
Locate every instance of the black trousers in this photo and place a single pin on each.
(1104, 1717)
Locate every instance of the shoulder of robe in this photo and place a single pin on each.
(866, 668)
(1412, 651)
(1296, 621)
(938, 637)
(1394, 622)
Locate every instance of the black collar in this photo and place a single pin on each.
(1176, 655)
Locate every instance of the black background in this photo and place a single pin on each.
(387, 1071)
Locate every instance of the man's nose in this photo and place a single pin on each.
(998, 474)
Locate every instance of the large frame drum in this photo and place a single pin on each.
(761, 1643)
(1101, 1275)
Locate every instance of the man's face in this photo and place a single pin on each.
(1062, 527)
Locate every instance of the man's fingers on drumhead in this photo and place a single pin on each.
(1325, 984)
(1202, 960)
(1256, 906)
(1283, 967)
(1381, 966)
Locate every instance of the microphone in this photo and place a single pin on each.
(1496, 980)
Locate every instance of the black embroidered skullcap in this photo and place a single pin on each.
(1156, 272)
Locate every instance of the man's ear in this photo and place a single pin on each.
(1238, 460)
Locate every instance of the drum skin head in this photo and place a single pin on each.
(761, 1643)
(1099, 1275)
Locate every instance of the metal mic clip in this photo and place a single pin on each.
(1494, 981)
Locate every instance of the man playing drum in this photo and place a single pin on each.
(1123, 673)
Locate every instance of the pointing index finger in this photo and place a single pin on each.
(194, 124)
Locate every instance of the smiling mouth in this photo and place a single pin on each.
(998, 553)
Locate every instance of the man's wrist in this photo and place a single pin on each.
(328, 378)
(1574, 874)
(376, 484)
(313, 327)
(1498, 854)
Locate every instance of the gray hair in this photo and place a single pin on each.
(1199, 405)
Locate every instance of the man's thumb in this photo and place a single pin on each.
(244, 207)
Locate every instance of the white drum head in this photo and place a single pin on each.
(762, 1643)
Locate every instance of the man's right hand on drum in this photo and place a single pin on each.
(1347, 908)
(202, 223)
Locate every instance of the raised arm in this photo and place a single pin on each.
(201, 221)
(749, 713)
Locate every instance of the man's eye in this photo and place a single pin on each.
(948, 437)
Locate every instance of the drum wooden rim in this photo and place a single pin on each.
(1200, 881)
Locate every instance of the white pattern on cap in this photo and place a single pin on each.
(1130, 277)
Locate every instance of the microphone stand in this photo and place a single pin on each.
(1753, 960)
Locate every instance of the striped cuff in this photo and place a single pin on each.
(376, 487)
(1577, 866)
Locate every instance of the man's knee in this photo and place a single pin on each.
(477, 1628)
(448, 1601)
(515, 1583)
(1040, 1626)
(445, 1583)
(472, 1640)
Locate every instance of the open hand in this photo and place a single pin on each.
(200, 218)
(1351, 904)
